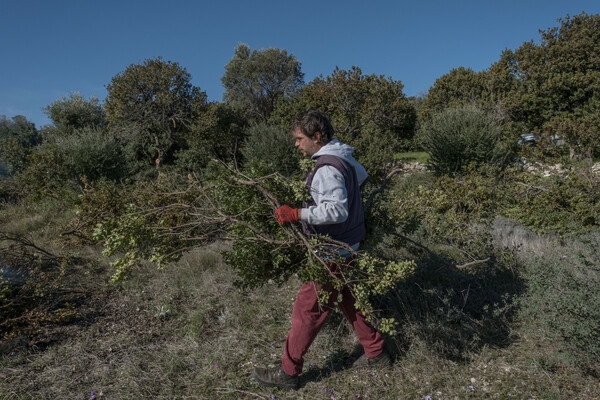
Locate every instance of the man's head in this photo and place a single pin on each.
(311, 130)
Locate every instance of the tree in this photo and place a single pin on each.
(75, 113)
(153, 104)
(369, 112)
(559, 83)
(458, 87)
(215, 134)
(17, 138)
(255, 81)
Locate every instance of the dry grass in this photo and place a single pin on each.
(186, 332)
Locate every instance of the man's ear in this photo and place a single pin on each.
(318, 137)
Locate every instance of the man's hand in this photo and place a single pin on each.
(287, 214)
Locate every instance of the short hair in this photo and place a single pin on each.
(310, 122)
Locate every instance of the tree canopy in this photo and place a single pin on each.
(75, 112)
(370, 112)
(17, 137)
(255, 80)
(153, 104)
(559, 80)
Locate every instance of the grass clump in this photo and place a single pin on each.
(413, 156)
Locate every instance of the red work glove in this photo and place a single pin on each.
(286, 214)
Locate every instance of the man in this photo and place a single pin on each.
(335, 209)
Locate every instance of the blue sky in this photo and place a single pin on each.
(52, 48)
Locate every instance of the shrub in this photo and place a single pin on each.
(46, 173)
(92, 154)
(564, 205)
(216, 133)
(458, 137)
(271, 149)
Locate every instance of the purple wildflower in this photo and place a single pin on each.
(272, 397)
(470, 387)
(333, 397)
(271, 344)
(356, 395)
(93, 396)
(427, 397)
(216, 366)
(328, 353)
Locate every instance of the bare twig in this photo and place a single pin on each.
(472, 263)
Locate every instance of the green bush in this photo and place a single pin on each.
(271, 149)
(564, 205)
(46, 173)
(93, 154)
(458, 137)
(217, 133)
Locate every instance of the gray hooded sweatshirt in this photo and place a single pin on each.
(328, 188)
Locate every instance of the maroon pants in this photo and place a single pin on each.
(308, 317)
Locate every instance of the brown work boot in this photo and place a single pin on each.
(382, 360)
(275, 377)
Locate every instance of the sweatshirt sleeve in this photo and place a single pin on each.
(328, 190)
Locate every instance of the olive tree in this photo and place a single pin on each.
(75, 112)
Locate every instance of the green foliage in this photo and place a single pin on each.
(62, 166)
(165, 218)
(458, 137)
(130, 235)
(152, 106)
(255, 81)
(47, 173)
(549, 88)
(75, 113)
(270, 149)
(92, 153)
(153, 224)
(564, 205)
(459, 87)
(559, 82)
(17, 139)
(378, 277)
(216, 133)
(369, 112)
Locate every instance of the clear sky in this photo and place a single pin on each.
(50, 48)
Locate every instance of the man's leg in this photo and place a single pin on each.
(308, 317)
(369, 338)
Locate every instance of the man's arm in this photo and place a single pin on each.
(328, 190)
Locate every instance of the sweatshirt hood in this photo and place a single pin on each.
(343, 151)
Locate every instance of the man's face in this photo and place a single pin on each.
(307, 146)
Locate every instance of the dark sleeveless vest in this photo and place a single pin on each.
(353, 229)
